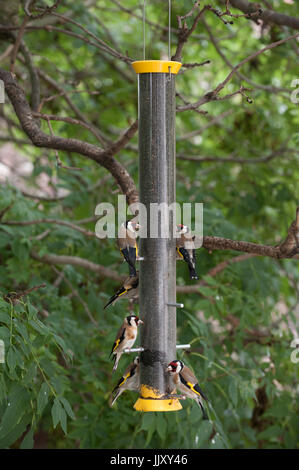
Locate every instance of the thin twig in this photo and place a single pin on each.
(76, 294)
(58, 161)
(270, 88)
(17, 44)
(14, 297)
(69, 120)
(25, 223)
(234, 159)
(213, 95)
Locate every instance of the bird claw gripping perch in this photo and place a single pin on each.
(125, 338)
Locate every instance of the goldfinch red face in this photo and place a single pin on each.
(174, 367)
(181, 229)
(132, 226)
(135, 226)
(134, 320)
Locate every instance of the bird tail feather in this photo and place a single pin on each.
(116, 359)
(132, 271)
(204, 413)
(115, 394)
(111, 300)
(190, 263)
(193, 273)
(130, 257)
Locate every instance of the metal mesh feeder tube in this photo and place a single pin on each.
(157, 273)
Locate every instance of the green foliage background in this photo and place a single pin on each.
(56, 381)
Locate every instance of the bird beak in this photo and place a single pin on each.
(137, 226)
(140, 321)
(168, 369)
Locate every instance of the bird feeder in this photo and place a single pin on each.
(157, 273)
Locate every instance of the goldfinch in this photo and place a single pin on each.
(186, 249)
(187, 383)
(129, 290)
(127, 244)
(129, 381)
(125, 338)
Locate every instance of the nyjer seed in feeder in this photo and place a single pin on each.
(157, 273)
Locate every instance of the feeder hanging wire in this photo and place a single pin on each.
(144, 28)
(143, 22)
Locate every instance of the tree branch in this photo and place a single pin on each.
(80, 263)
(40, 139)
(234, 159)
(289, 248)
(17, 43)
(241, 76)
(25, 223)
(76, 294)
(64, 94)
(213, 95)
(185, 32)
(267, 16)
(213, 272)
(214, 120)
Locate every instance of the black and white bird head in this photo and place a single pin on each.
(133, 320)
(136, 360)
(132, 226)
(174, 367)
(182, 229)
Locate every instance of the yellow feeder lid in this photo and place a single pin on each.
(150, 400)
(156, 66)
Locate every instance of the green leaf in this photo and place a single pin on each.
(161, 426)
(211, 281)
(38, 326)
(30, 374)
(280, 409)
(42, 398)
(32, 311)
(67, 407)
(5, 318)
(28, 442)
(207, 291)
(59, 415)
(21, 328)
(217, 443)
(61, 343)
(7, 229)
(4, 240)
(5, 200)
(272, 432)
(233, 391)
(63, 421)
(20, 249)
(203, 432)
(14, 432)
(56, 412)
(3, 388)
(11, 359)
(17, 403)
(148, 421)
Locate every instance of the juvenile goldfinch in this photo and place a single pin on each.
(129, 290)
(186, 382)
(125, 338)
(129, 381)
(186, 249)
(127, 244)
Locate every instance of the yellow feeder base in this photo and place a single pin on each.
(156, 66)
(144, 402)
(157, 405)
